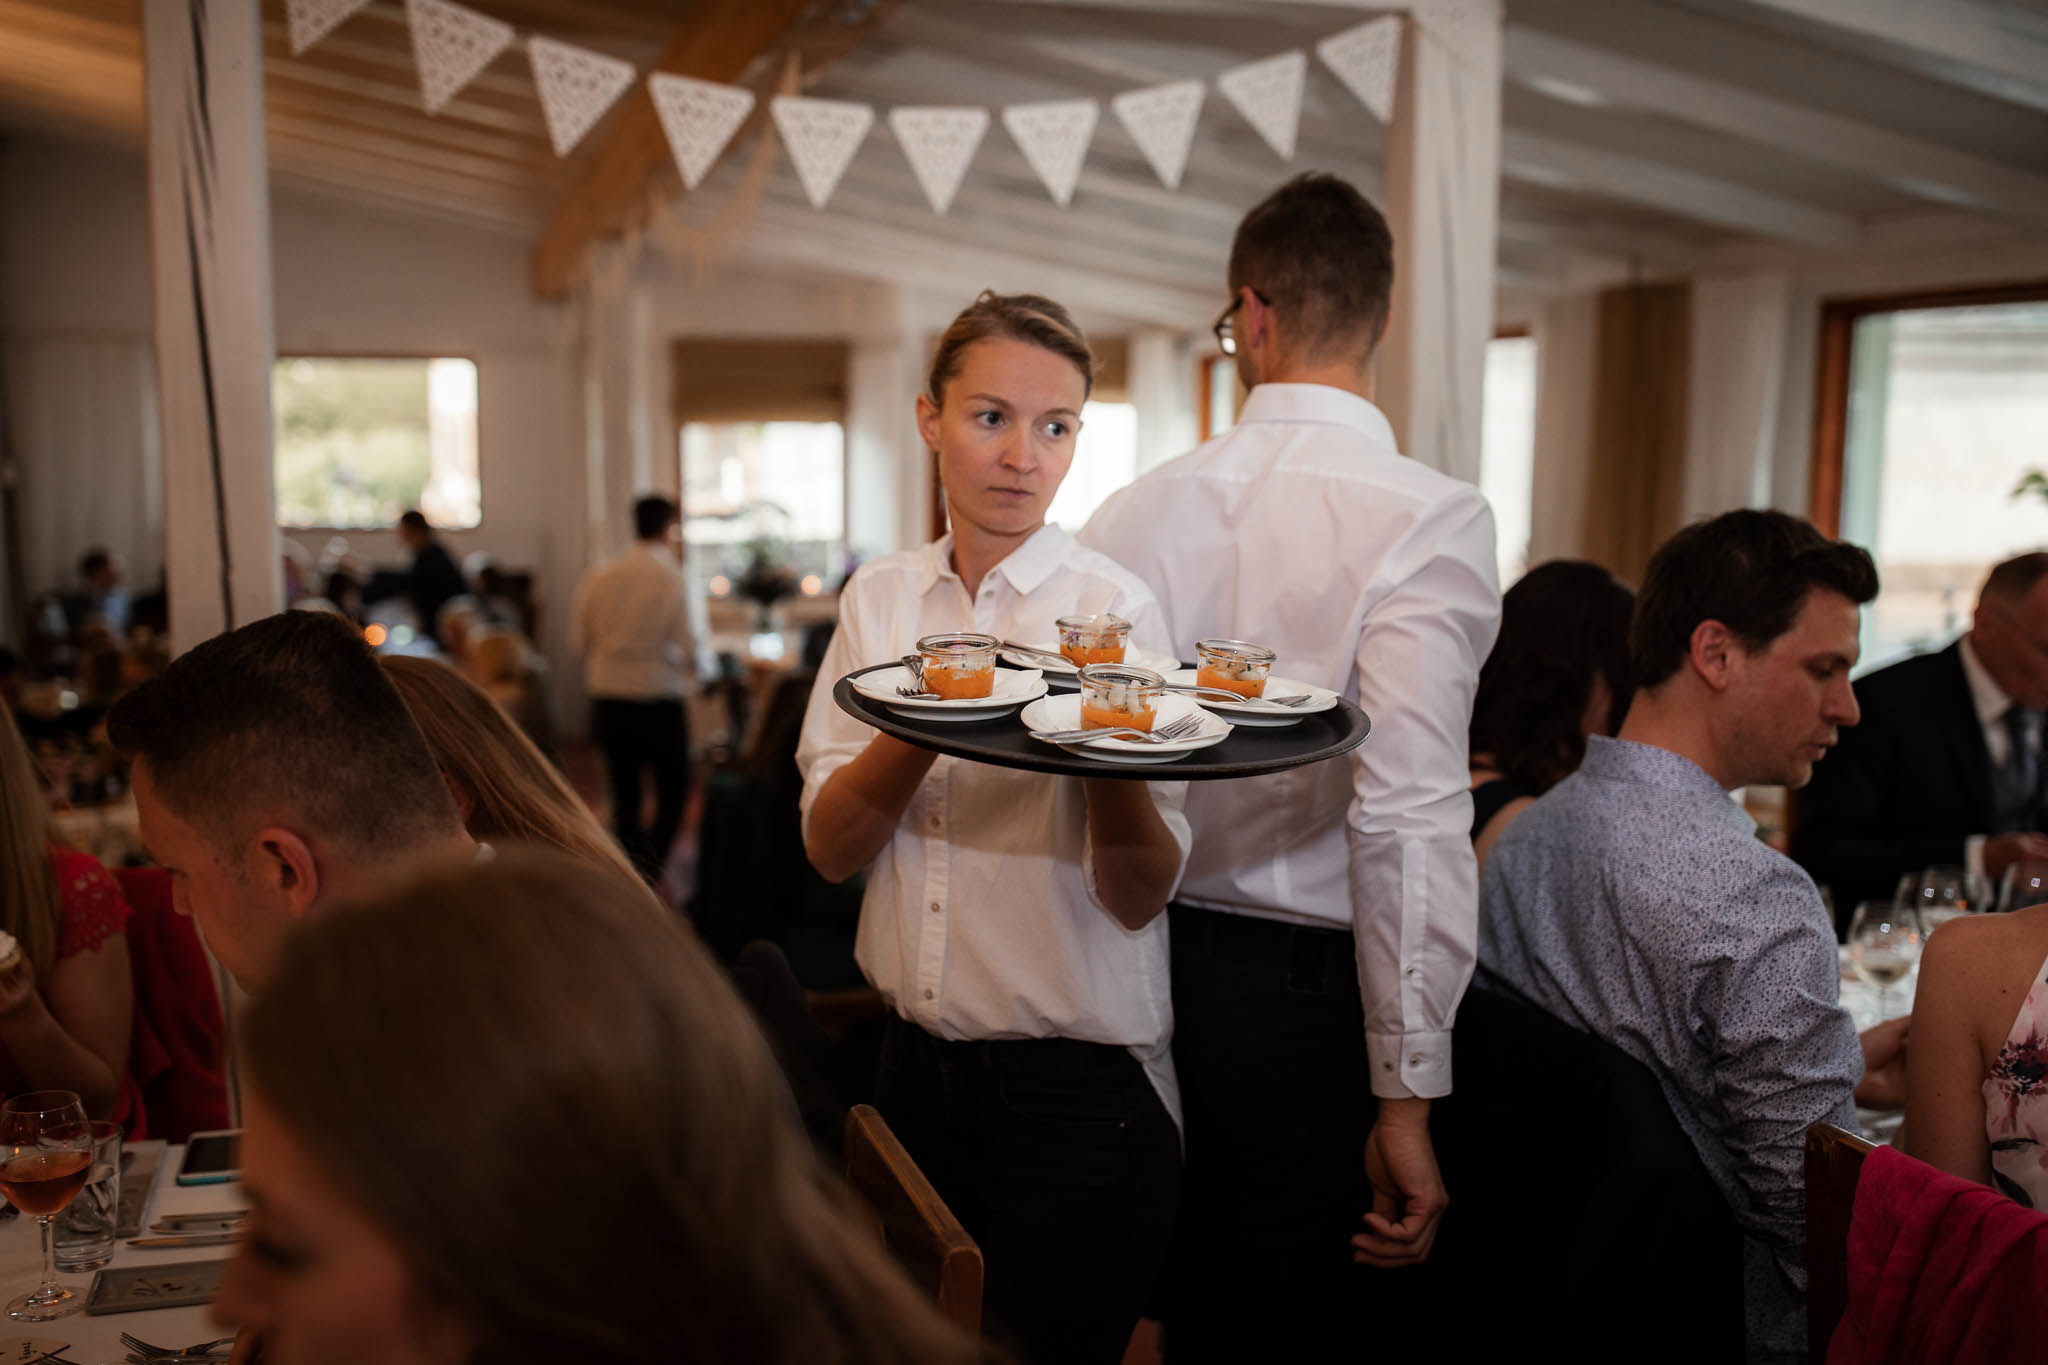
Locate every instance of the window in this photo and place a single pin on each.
(782, 483)
(1507, 447)
(1105, 459)
(1942, 413)
(361, 440)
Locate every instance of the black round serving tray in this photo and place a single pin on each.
(1248, 751)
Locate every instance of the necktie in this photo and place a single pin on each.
(2020, 775)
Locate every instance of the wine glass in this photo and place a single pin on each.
(45, 1157)
(1944, 894)
(1884, 943)
(2024, 884)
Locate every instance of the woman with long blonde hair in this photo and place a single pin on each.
(67, 1001)
(494, 1118)
(505, 787)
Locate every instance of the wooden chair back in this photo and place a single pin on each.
(913, 1222)
(1834, 1163)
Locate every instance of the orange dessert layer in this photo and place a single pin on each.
(1095, 718)
(1244, 687)
(959, 684)
(1080, 656)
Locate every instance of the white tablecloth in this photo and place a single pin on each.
(97, 1341)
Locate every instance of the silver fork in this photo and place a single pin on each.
(153, 1352)
(1237, 698)
(914, 665)
(1184, 728)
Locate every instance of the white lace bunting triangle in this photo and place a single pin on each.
(1268, 94)
(822, 136)
(312, 20)
(1365, 58)
(1161, 121)
(939, 143)
(451, 43)
(576, 87)
(1053, 135)
(698, 118)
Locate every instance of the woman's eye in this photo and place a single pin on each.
(1056, 430)
(990, 418)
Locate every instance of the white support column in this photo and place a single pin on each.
(1443, 176)
(1163, 391)
(618, 442)
(210, 253)
(882, 451)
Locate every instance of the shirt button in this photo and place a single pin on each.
(937, 822)
(1414, 971)
(927, 993)
(935, 907)
(1416, 1060)
(1386, 1066)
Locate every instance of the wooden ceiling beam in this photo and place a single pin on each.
(721, 42)
(1997, 50)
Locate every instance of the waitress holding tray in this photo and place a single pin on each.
(1012, 919)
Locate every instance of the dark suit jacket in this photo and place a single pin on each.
(1903, 789)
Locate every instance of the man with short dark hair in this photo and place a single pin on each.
(1323, 932)
(631, 621)
(1634, 901)
(1945, 769)
(106, 592)
(275, 772)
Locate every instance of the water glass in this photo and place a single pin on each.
(1944, 894)
(1884, 945)
(85, 1230)
(2024, 884)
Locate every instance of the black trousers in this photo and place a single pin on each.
(1269, 1042)
(636, 736)
(1060, 1160)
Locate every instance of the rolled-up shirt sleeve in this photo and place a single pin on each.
(1413, 879)
(831, 738)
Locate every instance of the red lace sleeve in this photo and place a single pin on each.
(89, 900)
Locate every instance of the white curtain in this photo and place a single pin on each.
(84, 429)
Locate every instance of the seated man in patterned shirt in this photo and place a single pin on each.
(1634, 901)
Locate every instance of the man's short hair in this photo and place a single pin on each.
(652, 516)
(289, 715)
(1322, 257)
(415, 520)
(93, 561)
(2015, 578)
(1749, 570)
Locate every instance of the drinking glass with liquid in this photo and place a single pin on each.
(1884, 943)
(45, 1158)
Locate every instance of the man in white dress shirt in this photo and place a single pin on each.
(631, 622)
(1324, 930)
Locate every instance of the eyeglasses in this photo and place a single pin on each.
(1225, 327)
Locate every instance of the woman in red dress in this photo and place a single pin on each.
(67, 1001)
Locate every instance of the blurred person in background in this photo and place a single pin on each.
(433, 581)
(106, 591)
(446, 1171)
(631, 623)
(67, 1001)
(1558, 672)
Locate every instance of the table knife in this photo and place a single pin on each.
(198, 1222)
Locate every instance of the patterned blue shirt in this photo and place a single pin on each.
(1635, 901)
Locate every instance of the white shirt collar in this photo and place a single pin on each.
(1027, 566)
(1990, 698)
(1317, 403)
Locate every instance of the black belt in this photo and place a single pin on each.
(1311, 955)
(1009, 1054)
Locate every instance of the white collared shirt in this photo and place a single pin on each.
(1304, 529)
(981, 918)
(1992, 704)
(631, 622)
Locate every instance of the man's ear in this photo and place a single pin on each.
(284, 865)
(1712, 654)
(465, 800)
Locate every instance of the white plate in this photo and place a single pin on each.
(1065, 672)
(1246, 713)
(1012, 689)
(1063, 712)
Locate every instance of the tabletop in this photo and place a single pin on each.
(97, 1340)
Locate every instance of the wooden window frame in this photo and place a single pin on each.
(1838, 319)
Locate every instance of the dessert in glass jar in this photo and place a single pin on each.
(1098, 639)
(959, 667)
(1119, 696)
(1234, 665)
